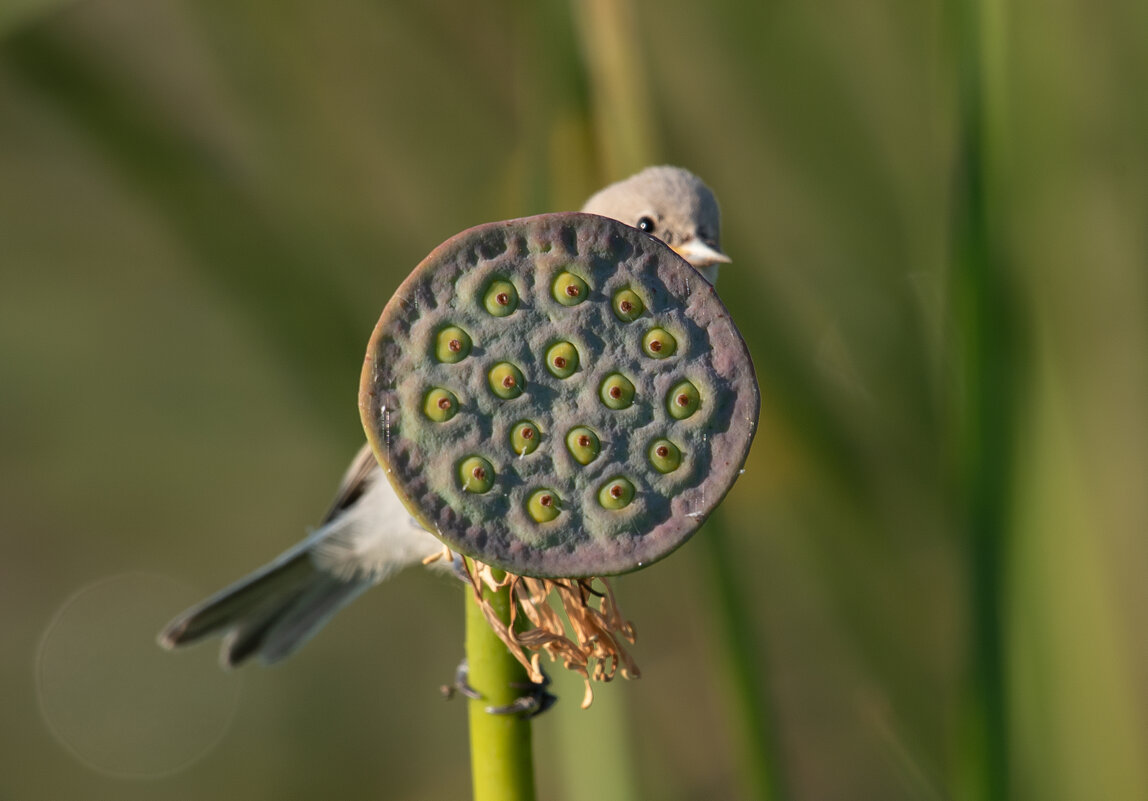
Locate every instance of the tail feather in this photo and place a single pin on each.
(307, 615)
(246, 639)
(269, 613)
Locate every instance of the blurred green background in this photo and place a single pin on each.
(927, 585)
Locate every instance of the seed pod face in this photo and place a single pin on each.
(552, 505)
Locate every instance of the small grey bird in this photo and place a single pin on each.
(367, 535)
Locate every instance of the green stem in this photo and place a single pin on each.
(501, 759)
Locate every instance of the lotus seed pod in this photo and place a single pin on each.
(658, 343)
(683, 400)
(440, 405)
(426, 450)
(543, 506)
(628, 306)
(570, 289)
(617, 493)
(475, 474)
(665, 456)
(453, 345)
(524, 437)
(501, 298)
(562, 359)
(506, 380)
(616, 391)
(583, 444)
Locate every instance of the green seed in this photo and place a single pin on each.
(665, 456)
(583, 444)
(524, 437)
(543, 505)
(506, 380)
(501, 298)
(616, 391)
(440, 405)
(659, 343)
(453, 345)
(569, 289)
(562, 359)
(475, 474)
(683, 400)
(627, 305)
(616, 493)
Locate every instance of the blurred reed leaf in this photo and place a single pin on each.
(988, 358)
(205, 200)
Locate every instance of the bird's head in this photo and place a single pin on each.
(673, 205)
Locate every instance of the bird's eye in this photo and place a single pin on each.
(646, 224)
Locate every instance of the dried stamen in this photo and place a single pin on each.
(590, 645)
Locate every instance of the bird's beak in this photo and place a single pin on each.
(699, 254)
(705, 258)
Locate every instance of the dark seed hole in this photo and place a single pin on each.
(454, 345)
(616, 392)
(626, 306)
(508, 382)
(683, 400)
(616, 491)
(559, 362)
(662, 451)
(656, 345)
(546, 500)
(584, 441)
(444, 403)
(502, 298)
(572, 291)
(528, 433)
(478, 473)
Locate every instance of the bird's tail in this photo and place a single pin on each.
(269, 613)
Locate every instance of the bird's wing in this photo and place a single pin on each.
(354, 483)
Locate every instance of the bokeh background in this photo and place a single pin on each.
(929, 583)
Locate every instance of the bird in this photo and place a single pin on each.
(367, 535)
